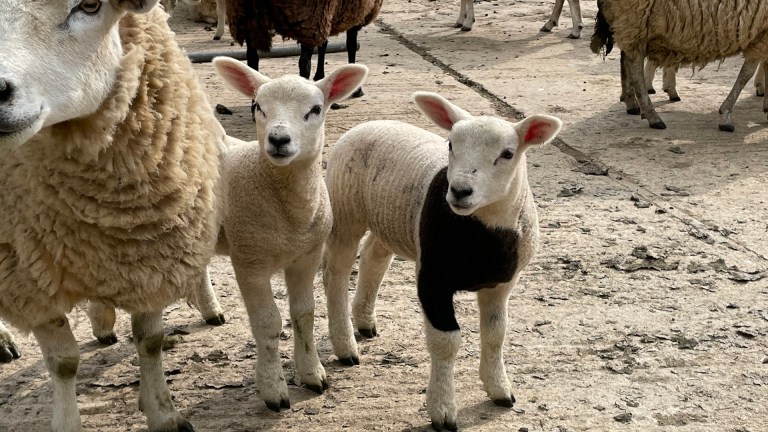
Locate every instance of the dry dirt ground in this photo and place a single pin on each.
(644, 309)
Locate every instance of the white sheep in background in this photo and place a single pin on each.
(462, 209)
(467, 17)
(278, 214)
(8, 349)
(715, 29)
(107, 190)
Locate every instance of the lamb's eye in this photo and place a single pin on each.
(90, 7)
(316, 110)
(507, 154)
(258, 109)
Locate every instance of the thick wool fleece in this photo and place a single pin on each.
(697, 32)
(308, 22)
(118, 206)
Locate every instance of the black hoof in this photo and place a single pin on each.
(765, 110)
(727, 128)
(185, 426)
(319, 389)
(570, 36)
(466, 28)
(6, 355)
(276, 406)
(545, 30)
(440, 427)
(658, 125)
(759, 93)
(109, 339)
(216, 320)
(633, 111)
(651, 91)
(457, 25)
(358, 93)
(368, 333)
(217, 38)
(505, 402)
(675, 99)
(349, 361)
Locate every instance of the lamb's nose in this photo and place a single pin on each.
(461, 192)
(6, 90)
(279, 140)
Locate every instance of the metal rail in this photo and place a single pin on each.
(282, 51)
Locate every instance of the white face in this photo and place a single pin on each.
(58, 60)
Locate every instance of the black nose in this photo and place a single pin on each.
(461, 193)
(6, 90)
(279, 140)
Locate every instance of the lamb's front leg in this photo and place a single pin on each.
(61, 357)
(555, 17)
(466, 15)
(265, 326)
(299, 279)
(154, 396)
(492, 303)
(8, 349)
(576, 18)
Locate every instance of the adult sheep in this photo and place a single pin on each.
(467, 17)
(107, 182)
(682, 32)
(462, 209)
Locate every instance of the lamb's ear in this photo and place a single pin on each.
(135, 6)
(342, 82)
(241, 77)
(439, 110)
(537, 129)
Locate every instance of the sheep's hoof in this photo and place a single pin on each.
(573, 36)
(217, 38)
(319, 389)
(457, 25)
(276, 406)
(466, 28)
(727, 127)
(9, 353)
(651, 91)
(358, 93)
(368, 333)
(216, 320)
(759, 92)
(675, 99)
(185, 426)
(109, 339)
(350, 361)
(633, 111)
(545, 29)
(440, 426)
(505, 402)
(658, 125)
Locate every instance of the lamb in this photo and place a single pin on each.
(715, 29)
(463, 210)
(282, 173)
(108, 190)
(8, 348)
(467, 17)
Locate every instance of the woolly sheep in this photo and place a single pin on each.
(107, 190)
(8, 348)
(282, 173)
(715, 29)
(463, 210)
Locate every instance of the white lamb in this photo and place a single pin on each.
(107, 181)
(281, 173)
(462, 209)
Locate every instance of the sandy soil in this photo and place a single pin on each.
(592, 344)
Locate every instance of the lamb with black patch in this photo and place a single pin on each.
(461, 209)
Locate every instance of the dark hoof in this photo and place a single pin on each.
(368, 333)
(505, 402)
(570, 36)
(658, 125)
(457, 25)
(675, 99)
(621, 98)
(185, 426)
(765, 110)
(358, 93)
(319, 389)
(217, 38)
(349, 361)
(109, 339)
(633, 111)
(466, 28)
(651, 91)
(9, 353)
(545, 30)
(440, 427)
(216, 321)
(275, 406)
(759, 93)
(727, 128)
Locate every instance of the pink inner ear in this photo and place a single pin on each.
(240, 79)
(439, 114)
(536, 130)
(341, 84)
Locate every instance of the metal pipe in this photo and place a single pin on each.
(282, 51)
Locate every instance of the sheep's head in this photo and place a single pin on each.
(290, 110)
(485, 153)
(58, 60)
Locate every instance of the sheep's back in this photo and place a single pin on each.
(378, 176)
(355, 13)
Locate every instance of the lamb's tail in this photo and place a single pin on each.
(602, 39)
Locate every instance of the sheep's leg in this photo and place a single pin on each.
(470, 18)
(252, 59)
(648, 74)
(221, 17)
(726, 109)
(305, 60)
(493, 327)
(462, 14)
(555, 17)
(265, 326)
(154, 396)
(760, 79)
(102, 319)
(8, 349)
(576, 18)
(443, 345)
(61, 357)
(627, 94)
(670, 83)
(299, 280)
(207, 303)
(352, 53)
(635, 67)
(340, 253)
(320, 72)
(375, 259)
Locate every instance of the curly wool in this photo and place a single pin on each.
(307, 22)
(117, 207)
(696, 32)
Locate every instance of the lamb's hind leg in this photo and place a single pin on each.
(102, 319)
(555, 17)
(466, 15)
(299, 280)
(154, 396)
(207, 303)
(221, 17)
(493, 326)
(61, 357)
(576, 18)
(726, 109)
(375, 259)
(648, 74)
(670, 83)
(8, 349)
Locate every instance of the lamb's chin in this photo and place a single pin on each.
(462, 210)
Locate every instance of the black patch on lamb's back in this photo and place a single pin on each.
(458, 253)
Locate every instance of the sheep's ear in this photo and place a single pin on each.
(135, 6)
(342, 82)
(241, 77)
(537, 129)
(439, 110)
